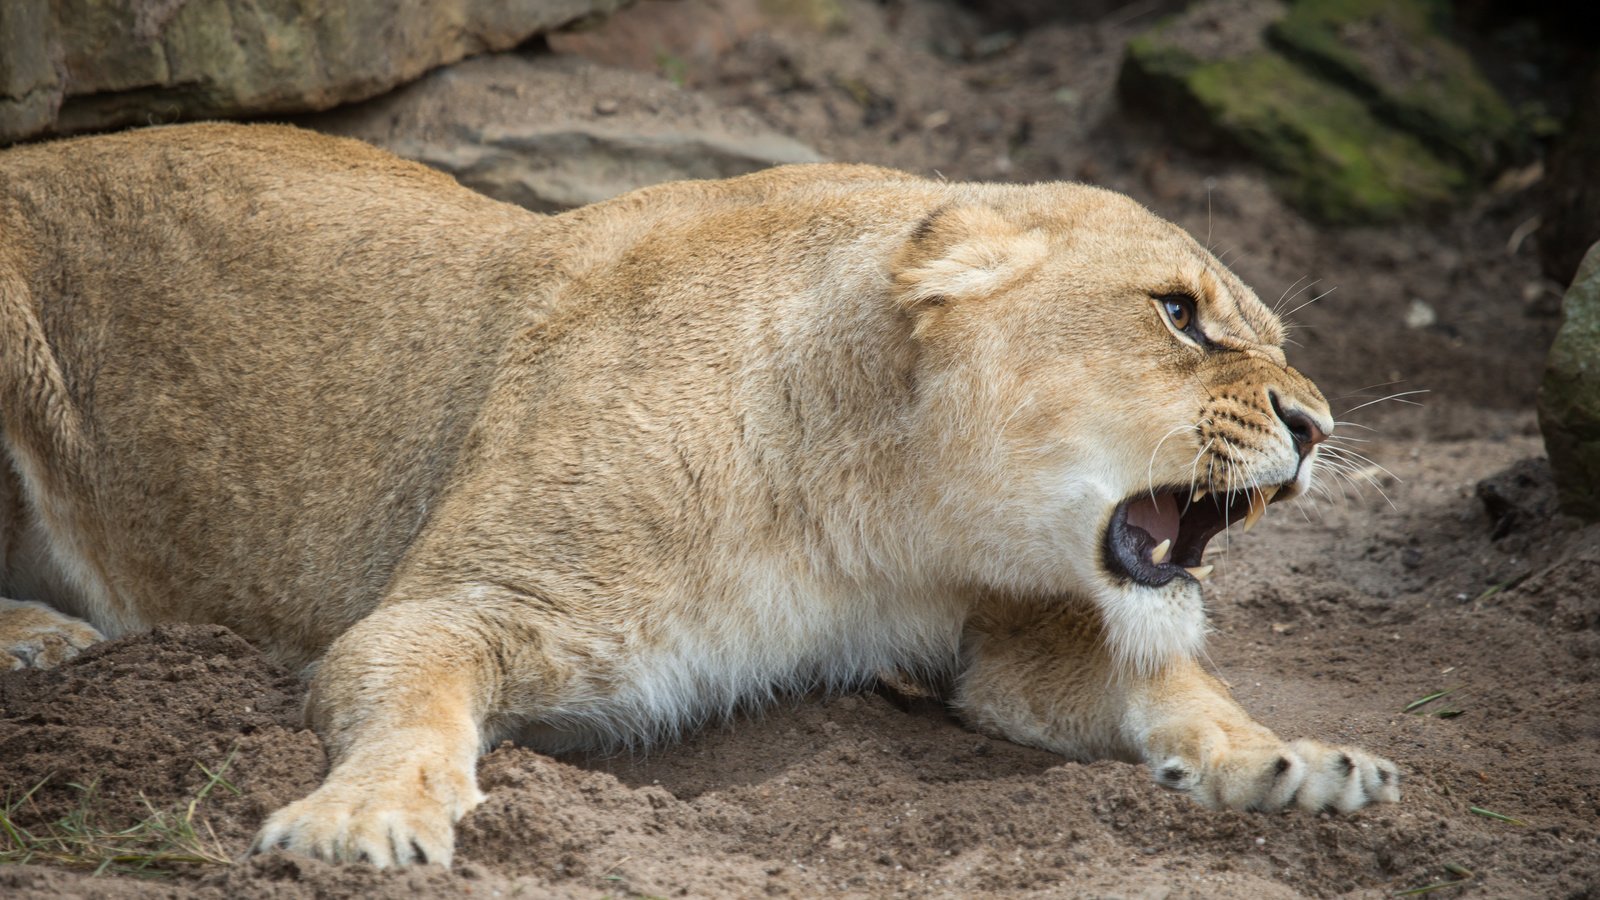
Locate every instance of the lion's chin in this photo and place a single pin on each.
(1147, 628)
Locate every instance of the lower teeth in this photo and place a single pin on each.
(1159, 554)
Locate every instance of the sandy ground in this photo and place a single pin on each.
(1443, 566)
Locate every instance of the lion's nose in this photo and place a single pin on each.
(1303, 429)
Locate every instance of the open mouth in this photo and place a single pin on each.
(1156, 536)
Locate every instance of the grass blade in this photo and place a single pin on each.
(1430, 888)
(162, 843)
(1491, 814)
(1424, 701)
(1462, 873)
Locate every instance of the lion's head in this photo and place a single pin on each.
(1109, 399)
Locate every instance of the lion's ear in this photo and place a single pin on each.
(963, 252)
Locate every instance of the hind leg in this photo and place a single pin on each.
(33, 635)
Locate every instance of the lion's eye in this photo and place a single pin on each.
(1180, 310)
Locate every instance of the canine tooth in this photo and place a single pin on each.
(1159, 554)
(1200, 573)
(1199, 494)
(1258, 505)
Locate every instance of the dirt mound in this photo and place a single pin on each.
(135, 723)
(878, 794)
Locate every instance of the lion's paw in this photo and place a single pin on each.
(1308, 774)
(36, 636)
(379, 824)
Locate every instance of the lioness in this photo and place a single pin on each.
(593, 478)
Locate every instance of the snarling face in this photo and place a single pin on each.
(1118, 398)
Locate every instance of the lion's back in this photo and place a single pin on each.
(268, 346)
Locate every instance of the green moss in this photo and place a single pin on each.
(823, 15)
(1569, 396)
(1396, 56)
(1336, 159)
(1157, 57)
(1332, 156)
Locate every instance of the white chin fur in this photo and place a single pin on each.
(1146, 628)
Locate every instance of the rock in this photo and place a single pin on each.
(673, 38)
(1569, 396)
(551, 133)
(1032, 13)
(1395, 56)
(96, 64)
(1329, 95)
(30, 83)
(682, 38)
(1419, 314)
(1517, 497)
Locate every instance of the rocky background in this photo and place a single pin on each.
(1414, 183)
(1356, 111)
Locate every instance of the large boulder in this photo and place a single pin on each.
(1362, 109)
(551, 133)
(1569, 397)
(76, 65)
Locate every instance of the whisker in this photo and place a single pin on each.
(1311, 301)
(1208, 217)
(1199, 455)
(1398, 398)
(1150, 470)
(1352, 454)
(1342, 463)
(1285, 296)
(1212, 665)
(1369, 387)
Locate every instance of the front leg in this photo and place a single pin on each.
(1197, 739)
(1044, 678)
(402, 701)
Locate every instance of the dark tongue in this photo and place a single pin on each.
(1158, 517)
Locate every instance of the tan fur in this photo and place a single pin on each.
(593, 478)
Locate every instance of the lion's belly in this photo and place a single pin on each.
(705, 666)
